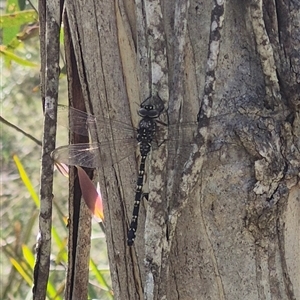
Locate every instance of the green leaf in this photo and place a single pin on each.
(62, 36)
(19, 18)
(18, 59)
(57, 238)
(100, 279)
(28, 228)
(51, 291)
(28, 255)
(62, 255)
(21, 271)
(26, 181)
(14, 43)
(11, 22)
(62, 217)
(12, 6)
(9, 34)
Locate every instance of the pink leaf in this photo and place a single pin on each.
(90, 195)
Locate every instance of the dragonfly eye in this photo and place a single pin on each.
(153, 114)
(149, 111)
(143, 112)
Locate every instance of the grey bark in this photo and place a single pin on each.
(222, 217)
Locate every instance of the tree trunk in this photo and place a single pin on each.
(222, 217)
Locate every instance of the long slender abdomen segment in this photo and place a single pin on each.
(138, 195)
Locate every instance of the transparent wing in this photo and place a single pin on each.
(83, 123)
(88, 154)
(84, 155)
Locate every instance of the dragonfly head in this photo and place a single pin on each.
(151, 107)
(148, 111)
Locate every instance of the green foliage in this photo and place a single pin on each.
(22, 258)
(100, 279)
(26, 181)
(15, 20)
(9, 32)
(17, 26)
(21, 105)
(9, 56)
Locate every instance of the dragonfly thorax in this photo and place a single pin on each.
(145, 133)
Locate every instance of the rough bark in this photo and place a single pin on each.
(79, 216)
(222, 214)
(50, 20)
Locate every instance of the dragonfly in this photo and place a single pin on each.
(88, 155)
(149, 112)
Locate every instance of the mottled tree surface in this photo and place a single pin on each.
(50, 15)
(222, 219)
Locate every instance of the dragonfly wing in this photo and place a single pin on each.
(83, 123)
(75, 120)
(112, 134)
(84, 155)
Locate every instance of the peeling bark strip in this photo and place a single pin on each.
(217, 17)
(50, 21)
(79, 215)
(155, 226)
(180, 30)
(194, 164)
(156, 47)
(265, 50)
(177, 92)
(156, 263)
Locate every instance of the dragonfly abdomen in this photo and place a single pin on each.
(137, 200)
